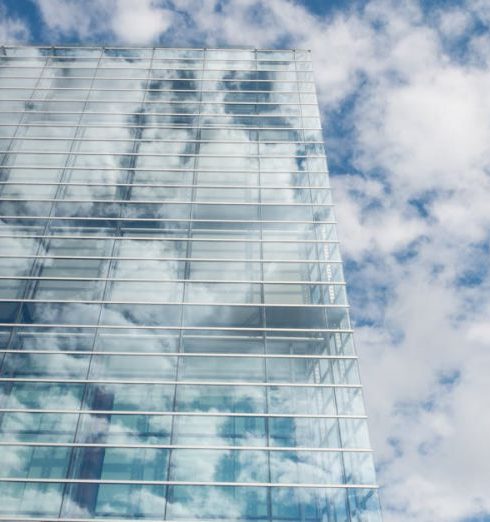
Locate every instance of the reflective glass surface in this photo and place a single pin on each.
(175, 341)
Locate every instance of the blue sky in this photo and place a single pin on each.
(404, 88)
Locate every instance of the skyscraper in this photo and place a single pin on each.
(175, 337)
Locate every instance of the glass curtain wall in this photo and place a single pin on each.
(175, 337)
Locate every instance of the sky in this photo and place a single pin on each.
(404, 89)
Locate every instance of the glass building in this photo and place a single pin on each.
(175, 337)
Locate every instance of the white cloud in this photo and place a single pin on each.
(124, 21)
(12, 30)
(454, 23)
(140, 22)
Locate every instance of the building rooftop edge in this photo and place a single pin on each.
(106, 46)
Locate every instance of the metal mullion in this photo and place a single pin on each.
(301, 508)
(346, 503)
(61, 189)
(264, 322)
(187, 269)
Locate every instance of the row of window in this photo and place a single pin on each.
(156, 63)
(171, 210)
(153, 76)
(191, 292)
(133, 464)
(188, 502)
(193, 86)
(143, 130)
(175, 316)
(320, 403)
(186, 343)
(155, 119)
(155, 95)
(196, 368)
(199, 196)
(278, 258)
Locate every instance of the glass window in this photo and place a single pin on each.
(34, 462)
(38, 427)
(30, 499)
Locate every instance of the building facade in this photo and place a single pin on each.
(175, 337)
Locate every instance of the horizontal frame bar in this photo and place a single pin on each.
(156, 185)
(185, 354)
(150, 78)
(162, 126)
(152, 413)
(144, 89)
(135, 280)
(198, 259)
(187, 383)
(189, 483)
(173, 328)
(169, 238)
(81, 139)
(104, 48)
(168, 202)
(147, 169)
(154, 102)
(159, 155)
(173, 303)
(186, 447)
(190, 115)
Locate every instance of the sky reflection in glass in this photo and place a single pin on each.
(175, 337)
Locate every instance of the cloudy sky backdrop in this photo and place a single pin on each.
(404, 88)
